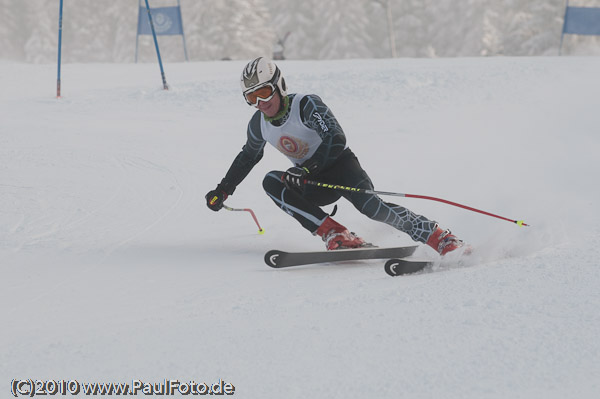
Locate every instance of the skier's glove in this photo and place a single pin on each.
(216, 197)
(294, 177)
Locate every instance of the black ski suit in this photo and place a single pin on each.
(332, 162)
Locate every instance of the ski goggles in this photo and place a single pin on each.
(263, 93)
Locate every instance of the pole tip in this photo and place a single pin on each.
(261, 231)
(521, 223)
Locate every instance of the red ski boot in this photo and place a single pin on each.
(337, 236)
(443, 241)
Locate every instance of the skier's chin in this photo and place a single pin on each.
(268, 111)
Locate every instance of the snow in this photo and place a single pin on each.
(113, 269)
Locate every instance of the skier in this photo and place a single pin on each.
(304, 129)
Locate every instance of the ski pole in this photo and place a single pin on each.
(260, 229)
(367, 191)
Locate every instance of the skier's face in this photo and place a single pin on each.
(270, 108)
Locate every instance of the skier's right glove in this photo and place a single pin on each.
(216, 198)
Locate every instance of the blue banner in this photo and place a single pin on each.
(167, 21)
(582, 21)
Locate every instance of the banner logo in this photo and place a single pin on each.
(162, 22)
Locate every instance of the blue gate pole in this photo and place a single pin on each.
(162, 71)
(182, 31)
(60, 14)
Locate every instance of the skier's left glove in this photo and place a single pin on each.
(294, 177)
(216, 197)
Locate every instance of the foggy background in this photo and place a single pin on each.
(105, 30)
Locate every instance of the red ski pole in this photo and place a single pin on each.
(366, 191)
(260, 229)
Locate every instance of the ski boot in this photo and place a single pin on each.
(337, 236)
(443, 241)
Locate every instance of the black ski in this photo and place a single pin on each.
(279, 259)
(399, 267)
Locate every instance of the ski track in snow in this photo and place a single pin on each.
(113, 268)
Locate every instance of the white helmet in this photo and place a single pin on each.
(259, 73)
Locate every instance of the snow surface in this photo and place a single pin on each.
(113, 268)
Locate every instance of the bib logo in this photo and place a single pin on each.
(292, 147)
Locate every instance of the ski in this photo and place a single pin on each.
(279, 259)
(399, 267)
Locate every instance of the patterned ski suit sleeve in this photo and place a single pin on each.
(317, 116)
(251, 153)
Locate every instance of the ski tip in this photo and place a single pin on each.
(272, 258)
(400, 267)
